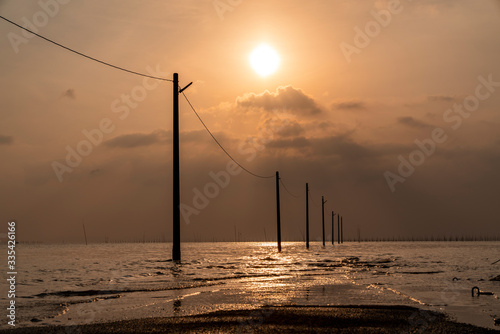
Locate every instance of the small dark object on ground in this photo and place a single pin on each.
(476, 291)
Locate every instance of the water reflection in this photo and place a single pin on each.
(176, 270)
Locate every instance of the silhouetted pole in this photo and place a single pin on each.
(338, 228)
(323, 217)
(333, 230)
(307, 215)
(176, 208)
(176, 222)
(341, 229)
(278, 218)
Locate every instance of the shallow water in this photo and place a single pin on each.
(76, 284)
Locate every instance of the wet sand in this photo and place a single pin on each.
(284, 319)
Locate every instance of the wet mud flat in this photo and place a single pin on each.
(284, 319)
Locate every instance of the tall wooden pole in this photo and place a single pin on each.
(341, 229)
(278, 218)
(323, 217)
(307, 215)
(333, 229)
(176, 222)
(338, 228)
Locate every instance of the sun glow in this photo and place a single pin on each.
(264, 60)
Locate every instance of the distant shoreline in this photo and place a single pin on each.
(391, 240)
(283, 319)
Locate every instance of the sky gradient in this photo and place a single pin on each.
(368, 95)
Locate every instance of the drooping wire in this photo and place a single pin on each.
(313, 199)
(288, 191)
(220, 145)
(84, 55)
(143, 75)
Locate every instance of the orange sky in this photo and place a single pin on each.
(359, 83)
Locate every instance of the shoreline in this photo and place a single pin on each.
(282, 319)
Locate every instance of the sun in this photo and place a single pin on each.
(264, 60)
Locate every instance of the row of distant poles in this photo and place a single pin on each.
(176, 240)
(340, 224)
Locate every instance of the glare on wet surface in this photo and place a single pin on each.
(103, 283)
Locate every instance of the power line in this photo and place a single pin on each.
(222, 148)
(288, 191)
(140, 74)
(84, 55)
(314, 200)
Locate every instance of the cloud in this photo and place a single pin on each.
(94, 171)
(413, 123)
(341, 145)
(285, 98)
(160, 136)
(282, 127)
(6, 140)
(441, 98)
(138, 139)
(70, 94)
(198, 136)
(348, 105)
(298, 142)
(324, 125)
(292, 129)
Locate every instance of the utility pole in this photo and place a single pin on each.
(176, 208)
(307, 215)
(176, 249)
(323, 217)
(338, 228)
(342, 229)
(278, 218)
(333, 230)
